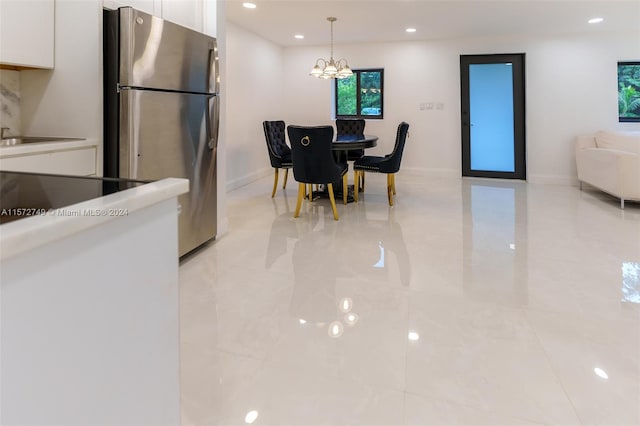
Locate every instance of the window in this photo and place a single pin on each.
(360, 96)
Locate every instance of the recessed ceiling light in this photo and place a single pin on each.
(249, 5)
(251, 417)
(299, 36)
(601, 373)
(410, 30)
(595, 20)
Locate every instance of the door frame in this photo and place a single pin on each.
(519, 120)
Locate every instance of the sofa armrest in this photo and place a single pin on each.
(583, 142)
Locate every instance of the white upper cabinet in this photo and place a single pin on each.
(187, 13)
(27, 33)
(209, 17)
(152, 7)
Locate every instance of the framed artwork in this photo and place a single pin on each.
(629, 91)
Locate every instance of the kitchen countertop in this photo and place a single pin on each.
(39, 147)
(53, 207)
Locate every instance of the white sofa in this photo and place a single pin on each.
(610, 162)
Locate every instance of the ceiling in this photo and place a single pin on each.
(361, 21)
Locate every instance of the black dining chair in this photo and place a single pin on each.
(351, 127)
(279, 151)
(313, 162)
(389, 164)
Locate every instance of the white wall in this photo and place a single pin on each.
(571, 85)
(215, 25)
(254, 93)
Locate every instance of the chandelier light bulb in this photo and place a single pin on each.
(331, 68)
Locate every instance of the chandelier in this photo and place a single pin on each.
(331, 69)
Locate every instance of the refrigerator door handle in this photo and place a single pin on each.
(128, 134)
(213, 69)
(213, 122)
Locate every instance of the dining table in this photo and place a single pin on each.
(349, 142)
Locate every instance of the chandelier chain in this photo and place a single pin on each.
(331, 68)
(331, 20)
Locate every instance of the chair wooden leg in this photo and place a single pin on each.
(301, 191)
(345, 188)
(310, 192)
(356, 179)
(362, 180)
(286, 174)
(393, 182)
(333, 202)
(275, 184)
(389, 188)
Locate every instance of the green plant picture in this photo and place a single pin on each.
(628, 91)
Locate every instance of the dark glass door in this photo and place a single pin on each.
(493, 120)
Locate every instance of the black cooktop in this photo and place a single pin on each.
(28, 194)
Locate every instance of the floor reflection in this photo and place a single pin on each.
(322, 260)
(495, 260)
(631, 282)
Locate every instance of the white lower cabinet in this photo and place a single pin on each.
(78, 161)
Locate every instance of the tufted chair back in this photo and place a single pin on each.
(350, 126)
(279, 151)
(312, 156)
(391, 164)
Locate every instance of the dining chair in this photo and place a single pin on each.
(279, 151)
(352, 127)
(389, 164)
(313, 162)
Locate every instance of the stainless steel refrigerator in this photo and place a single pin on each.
(161, 114)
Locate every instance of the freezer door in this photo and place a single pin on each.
(166, 134)
(159, 54)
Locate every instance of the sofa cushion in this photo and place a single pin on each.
(619, 141)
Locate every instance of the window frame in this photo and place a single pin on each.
(356, 73)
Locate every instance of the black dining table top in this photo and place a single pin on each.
(348, 142)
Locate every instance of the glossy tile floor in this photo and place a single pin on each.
(470, 302)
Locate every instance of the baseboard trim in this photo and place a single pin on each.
(553, 180)
(245, 180)
(414, 171)
(421, 172)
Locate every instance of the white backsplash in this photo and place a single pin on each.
(10, 101)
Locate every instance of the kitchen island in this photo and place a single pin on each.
(89, 300)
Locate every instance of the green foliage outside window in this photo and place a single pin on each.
(346, 98)
(629, 91)
(361, 95)
(370, 93)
